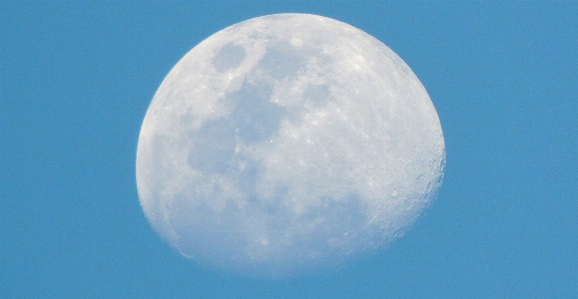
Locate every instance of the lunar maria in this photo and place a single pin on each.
(288, 144)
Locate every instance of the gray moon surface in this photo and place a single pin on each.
(288, 144)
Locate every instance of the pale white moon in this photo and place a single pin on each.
(288, 144)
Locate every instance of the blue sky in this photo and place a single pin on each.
(76, 79)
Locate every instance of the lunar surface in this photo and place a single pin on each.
(288, 144)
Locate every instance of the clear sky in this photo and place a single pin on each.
(76, 79)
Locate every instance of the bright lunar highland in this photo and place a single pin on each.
(288, 144)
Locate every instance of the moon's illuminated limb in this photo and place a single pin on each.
(285, 144)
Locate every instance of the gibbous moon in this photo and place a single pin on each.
(288, 144)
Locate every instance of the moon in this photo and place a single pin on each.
(288, 144)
